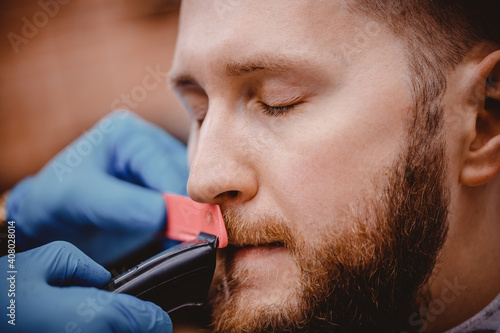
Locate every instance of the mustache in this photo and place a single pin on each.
(264, 229)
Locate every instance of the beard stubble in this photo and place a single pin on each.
(370, 276)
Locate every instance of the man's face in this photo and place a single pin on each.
(301, 113)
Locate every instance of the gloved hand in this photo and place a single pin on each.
(102, 193)
(52, 293)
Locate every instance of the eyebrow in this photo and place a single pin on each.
(263, 63)
(237, 68)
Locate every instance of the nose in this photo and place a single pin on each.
(222, 165)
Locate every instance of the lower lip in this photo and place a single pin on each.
(266, 268)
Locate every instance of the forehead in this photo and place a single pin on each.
(214, 32)
(256, 17)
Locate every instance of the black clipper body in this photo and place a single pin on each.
(177, 277)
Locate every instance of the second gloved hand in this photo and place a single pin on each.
(103, 192)
(54, 291)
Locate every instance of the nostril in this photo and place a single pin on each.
(228, 194)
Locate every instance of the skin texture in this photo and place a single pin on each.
(323, 164)
(67, 76)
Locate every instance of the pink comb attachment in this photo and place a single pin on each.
(187, 218)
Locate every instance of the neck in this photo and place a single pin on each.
(467, 276)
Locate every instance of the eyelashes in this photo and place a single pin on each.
(268, 110)
(199, 110)
(277, 111)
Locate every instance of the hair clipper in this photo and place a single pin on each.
(179, 276)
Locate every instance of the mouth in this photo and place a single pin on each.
(256, 251)
(254, 266)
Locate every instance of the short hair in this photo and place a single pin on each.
(438, 33)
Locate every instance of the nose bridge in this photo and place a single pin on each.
(219, 169)
(210, 145)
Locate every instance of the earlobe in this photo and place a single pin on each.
(482, 162)
(482, 165)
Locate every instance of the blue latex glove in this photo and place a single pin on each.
(102, 193)
(53, 293)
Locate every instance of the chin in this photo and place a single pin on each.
(255, 283)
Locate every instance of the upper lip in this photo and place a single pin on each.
(242, 245)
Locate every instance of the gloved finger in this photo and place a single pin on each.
(83, 309)
(134, 123)
(151, 157)
(144, 161)
(129, 314)
(63, 264)
(119, 206)
(15, 197)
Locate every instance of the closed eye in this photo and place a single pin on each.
(276, 111)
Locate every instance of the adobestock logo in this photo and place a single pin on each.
(48, 9)
(437, 306)
(360, 42)
(222, 7)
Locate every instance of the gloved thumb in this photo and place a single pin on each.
(66, 265)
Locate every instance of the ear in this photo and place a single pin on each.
(482, 160)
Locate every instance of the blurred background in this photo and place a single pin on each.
(66, 63)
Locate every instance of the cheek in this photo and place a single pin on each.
(332, 163)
